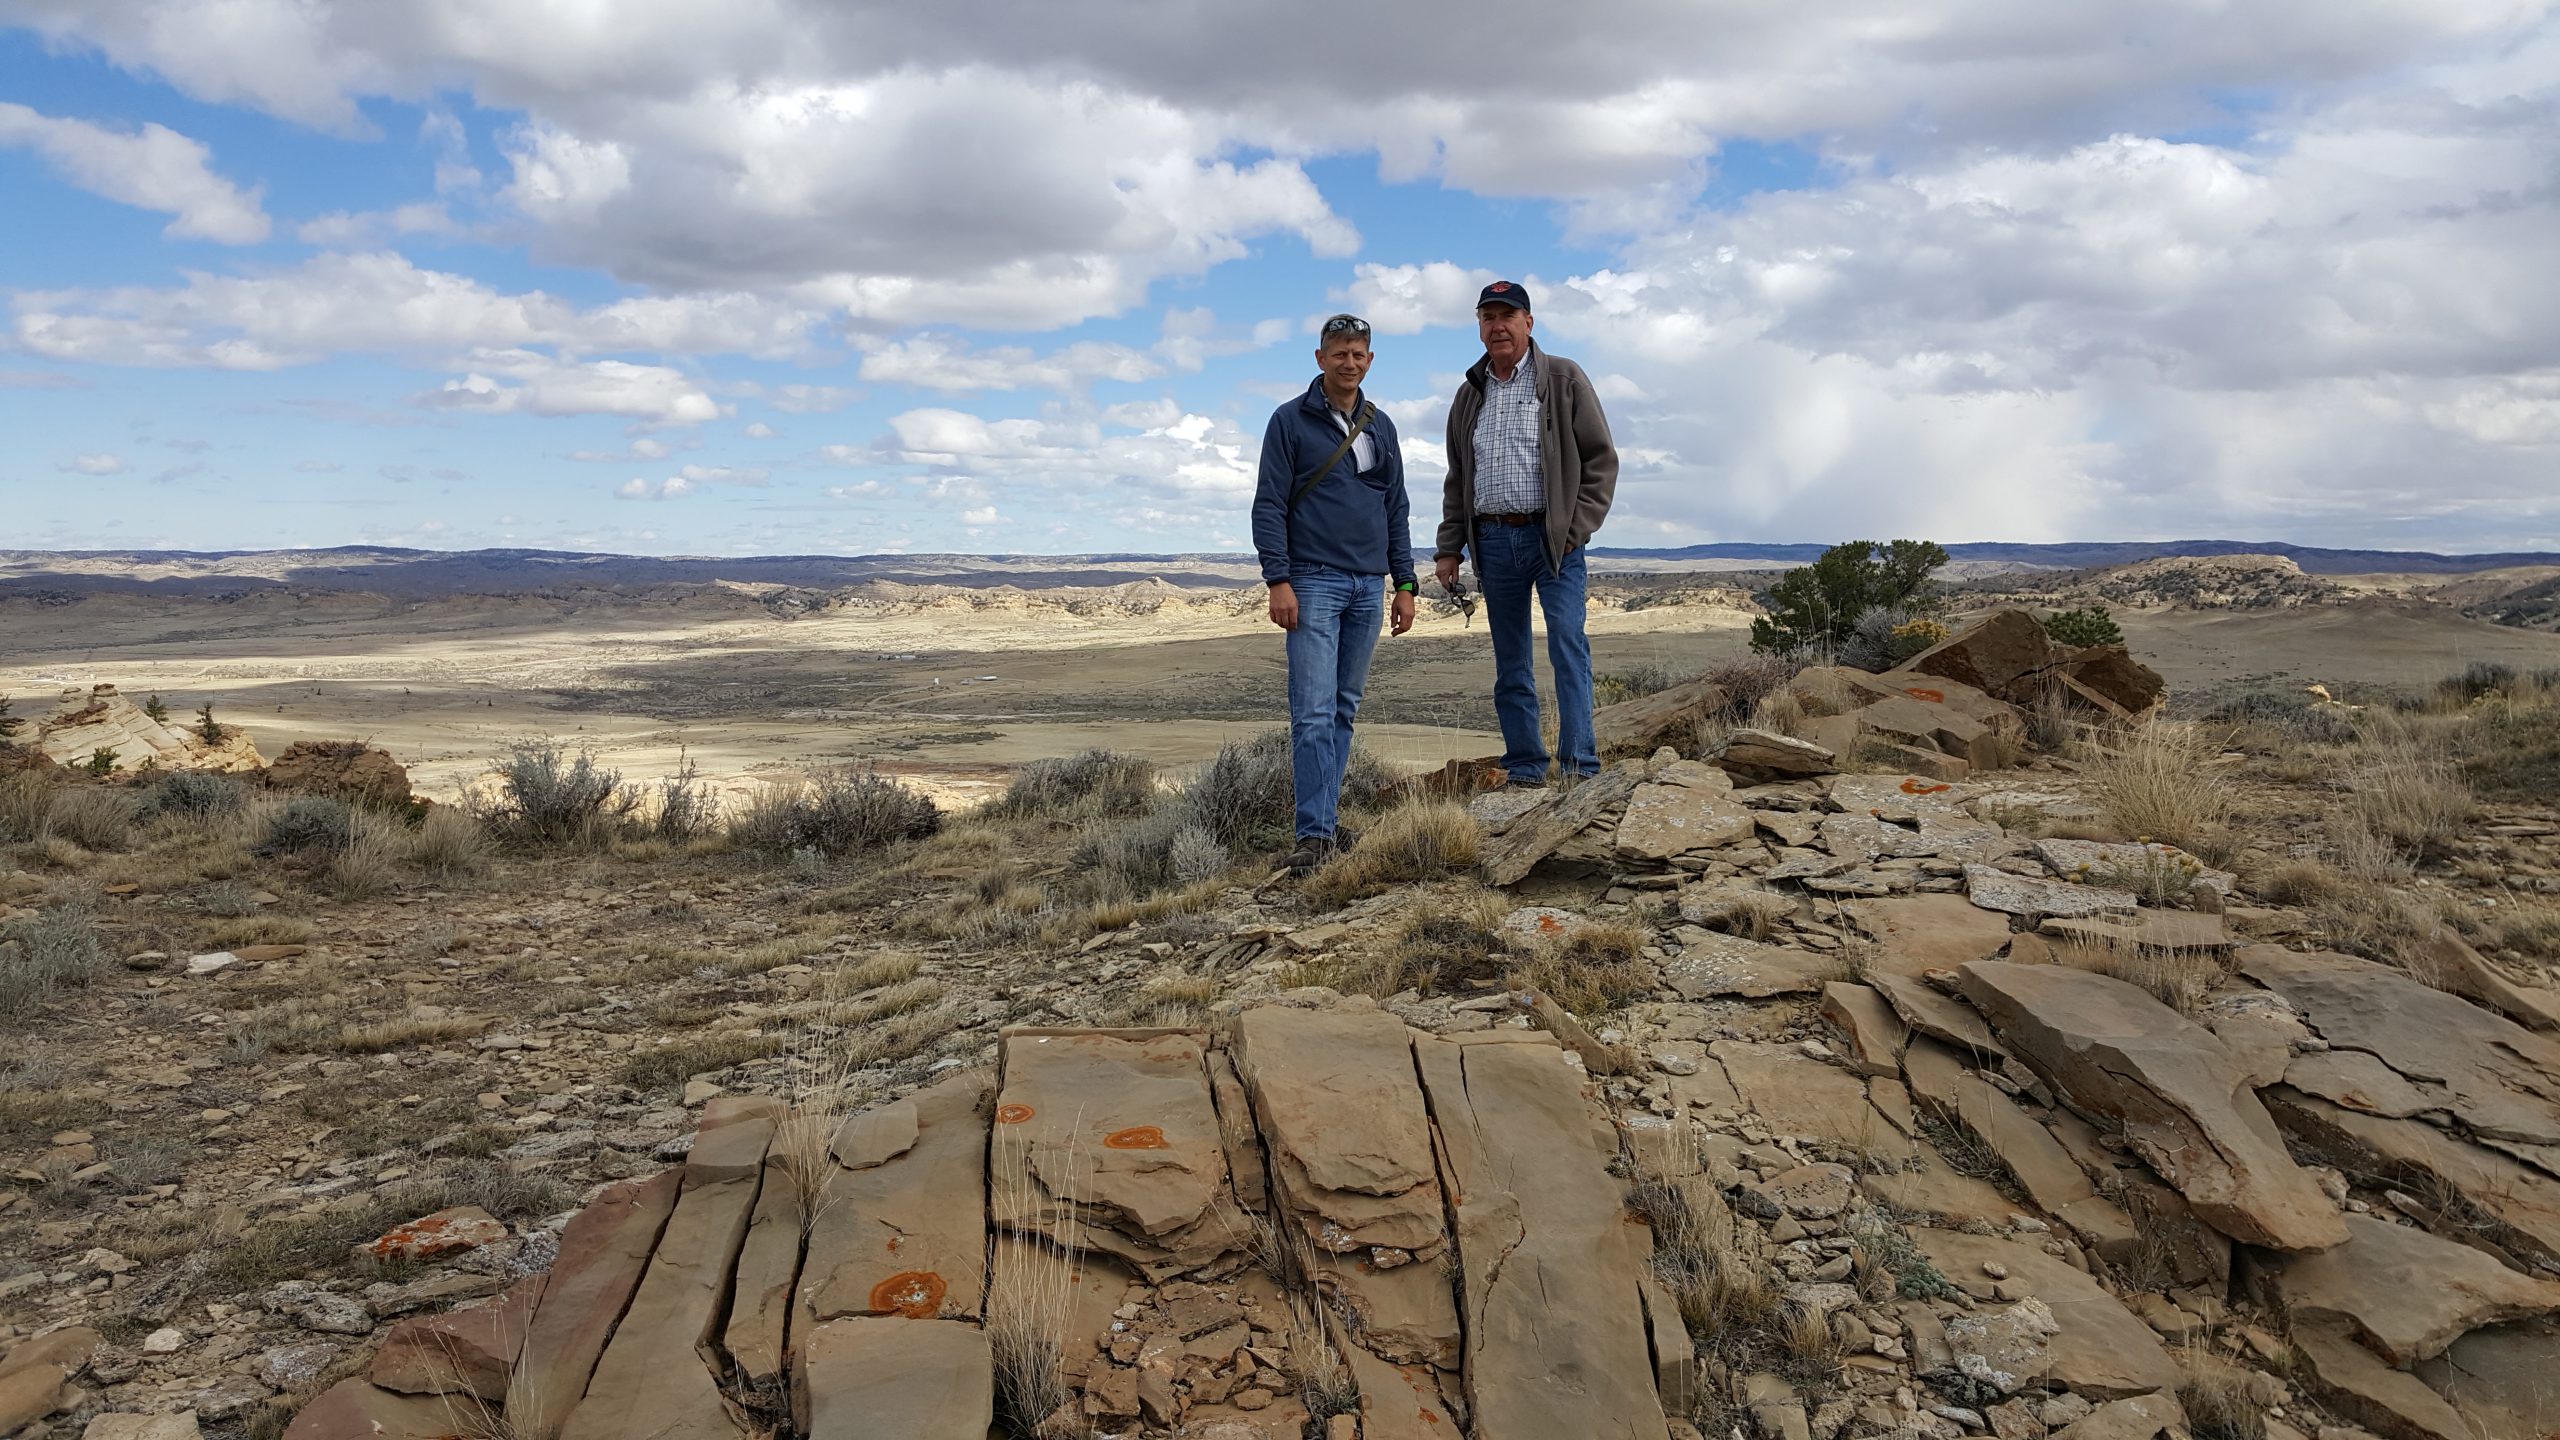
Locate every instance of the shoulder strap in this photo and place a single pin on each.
(1359, 423)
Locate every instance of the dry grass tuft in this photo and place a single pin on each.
(2302, 882)
(2159, 780)
(2180, 979)
(1418, 841)
(92, 817)
(2215, 1394)
(448, 843)
(25, 795)
(1590, 968)
(2414, 797)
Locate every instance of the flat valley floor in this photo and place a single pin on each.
(954, 697)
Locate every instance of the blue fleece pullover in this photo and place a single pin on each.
(1352, 519)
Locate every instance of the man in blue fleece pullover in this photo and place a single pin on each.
(1329, 521)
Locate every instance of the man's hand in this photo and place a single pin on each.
(1446, 567)
(1284, 605)
(1401, 619)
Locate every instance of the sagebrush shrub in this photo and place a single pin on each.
(836, 811)
(307, 825)
(196, 794)
(546, 796)
(53, 950)
(1095, 784)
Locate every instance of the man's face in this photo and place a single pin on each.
(1345, 360)
(1504, 330)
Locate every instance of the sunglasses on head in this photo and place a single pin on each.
(1346, 324)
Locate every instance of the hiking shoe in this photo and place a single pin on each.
(1344, 838)
(1525, 782)
(1309, 857)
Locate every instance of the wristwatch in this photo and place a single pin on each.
(1408, 587)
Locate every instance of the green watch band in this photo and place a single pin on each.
(1408, 587)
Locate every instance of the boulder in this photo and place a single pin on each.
(655, 1381)
(2466, 972)
(2508, 1204)
(35, 1376)
(1114, 1143)
(1649, 722)
(2354, 1383)
(2004, 655)
(1711, 964)
(432, 1237)
(2499, 1379)
(1800, 1096)
(1761, 756)
(461, 1352)
(2111, 674)
(2112, 1051)
(1920, 933)
(1343, 1120)
(350, 770)
(1666, 820)
(1508, 858)
(2405, 1293)
(1876, 1035)
(1996, 889)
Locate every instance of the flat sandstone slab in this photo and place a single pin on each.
(889, 1376)
(1552, 1268)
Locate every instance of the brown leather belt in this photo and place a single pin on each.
(1532, 518)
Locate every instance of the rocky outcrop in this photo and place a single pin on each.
(349, 770)
(1645, 724)
(2118, 1055)
(106, 720)
(2008, 655)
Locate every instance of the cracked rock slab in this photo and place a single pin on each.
(1995, 889)
(2406, 1293)
(1552, 1268)
(2114, 1052)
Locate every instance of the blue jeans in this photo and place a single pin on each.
(1511, 564)
(1338, 618)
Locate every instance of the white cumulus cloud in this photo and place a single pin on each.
(151, 168)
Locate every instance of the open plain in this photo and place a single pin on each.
(1976, 1048)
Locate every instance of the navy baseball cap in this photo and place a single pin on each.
(1503, 292)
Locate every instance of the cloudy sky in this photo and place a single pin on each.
(789, 276)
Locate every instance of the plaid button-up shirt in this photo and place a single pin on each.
(1509, 478)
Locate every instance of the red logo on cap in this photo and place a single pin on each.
(1498, 286)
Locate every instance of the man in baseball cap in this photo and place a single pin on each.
(1531, 473)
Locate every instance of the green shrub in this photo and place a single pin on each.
(1098, 784)
(836, 811)
(206, 727)
(1816, 607)
(53, 950)
(2080, 628)
(196, 794)
(1888, 635)
(1634, 683)
(686, 807)
(547, 796)
(157, 711)
(308, 825)
(101, 761)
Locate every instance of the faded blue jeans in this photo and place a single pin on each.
(1511, 564)
(1338, 618)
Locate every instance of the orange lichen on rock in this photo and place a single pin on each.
(1922, 787)
(1013, 1114)
(915, 1294)
(1136, 1137)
